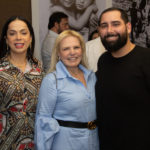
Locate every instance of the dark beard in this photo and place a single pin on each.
(59, 29)
(113, 46)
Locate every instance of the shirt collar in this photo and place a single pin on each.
(62, 72)
(34, 68)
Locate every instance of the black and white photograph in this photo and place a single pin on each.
(139, 14)
(83, 14)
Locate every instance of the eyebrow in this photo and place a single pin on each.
(11, 30)
(116, 21)
(110, 22)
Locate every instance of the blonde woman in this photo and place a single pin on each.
(66, 113)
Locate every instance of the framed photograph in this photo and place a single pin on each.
(83, 15)
(139, 15)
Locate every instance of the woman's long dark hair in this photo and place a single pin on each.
(3, 45)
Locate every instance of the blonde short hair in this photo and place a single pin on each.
(56, 48)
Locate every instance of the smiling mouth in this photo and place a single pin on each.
(111, 37)
(19, 45)
(73, 59)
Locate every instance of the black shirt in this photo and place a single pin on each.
(123, 100)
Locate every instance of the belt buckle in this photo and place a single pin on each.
(91, 125)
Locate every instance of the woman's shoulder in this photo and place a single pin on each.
(50, 76)
(50, 80)
(36, 61)
(4, 64)
(36, 64)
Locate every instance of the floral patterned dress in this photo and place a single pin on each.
(18, 99)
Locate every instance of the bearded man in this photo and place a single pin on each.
(123, 86)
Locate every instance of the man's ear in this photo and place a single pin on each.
(56, 25)
(129, 27)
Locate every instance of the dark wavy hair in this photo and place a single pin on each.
(3, 45)
(56, 17)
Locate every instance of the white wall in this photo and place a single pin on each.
(35, 24)
(41, 7)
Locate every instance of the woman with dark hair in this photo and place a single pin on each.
(20, 79)
(4, 46)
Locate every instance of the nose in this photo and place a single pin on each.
(72, 51)
(109, 29)
(18, 36)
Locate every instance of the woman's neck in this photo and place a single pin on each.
(78, 74)
(18, 61)
(74, 71)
